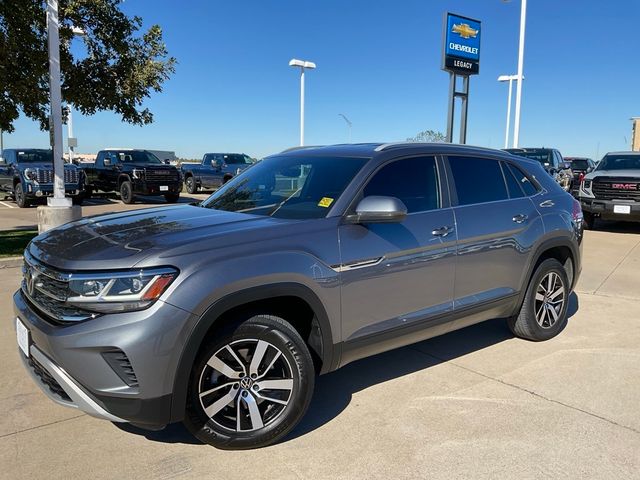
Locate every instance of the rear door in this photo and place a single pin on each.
(398, 275)
(497, 225)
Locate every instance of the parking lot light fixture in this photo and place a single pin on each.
(302, 64)
(510, 79)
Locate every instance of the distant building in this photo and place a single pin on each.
(635, 134)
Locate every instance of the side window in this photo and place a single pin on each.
(528, 187)
(477, 180)
(207, 160)
(515, 191)
(412, 180)
(558, 158)
(100, 159)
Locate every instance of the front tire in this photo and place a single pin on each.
(250, 385)
(126, 192)
(171, 197)
(543, 314)
(21, 199)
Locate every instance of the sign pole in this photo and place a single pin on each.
(461, 58)
(452, 106)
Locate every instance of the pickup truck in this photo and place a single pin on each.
(214, 170)
(612, 190)
(27, 174)
(551, 160)
(132, 172)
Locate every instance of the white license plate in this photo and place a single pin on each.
(23, 337)
(164, 188)
(622, 209)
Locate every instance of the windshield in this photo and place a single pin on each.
(542, 156)
(137, 156)
(620, 162)
(579, 164)
(287, 187)
(34, 156)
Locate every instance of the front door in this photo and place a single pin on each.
(397, 275)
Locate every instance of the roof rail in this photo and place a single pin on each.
(385, 146)
(300, 147)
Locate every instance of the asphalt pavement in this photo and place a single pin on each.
(476, 403)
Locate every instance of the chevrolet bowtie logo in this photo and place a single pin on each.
(464, 30)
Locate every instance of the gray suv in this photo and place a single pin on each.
(220, 314)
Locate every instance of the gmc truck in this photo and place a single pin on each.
(26, 174)
(215, 170)
(612, 190)
(132, 172)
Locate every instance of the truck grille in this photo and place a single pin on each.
(161, 176)
(47, 291)
(616, 189)
(46, 176)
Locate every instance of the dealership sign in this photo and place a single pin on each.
(461, 40)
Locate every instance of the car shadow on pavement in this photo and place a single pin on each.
(334, 391)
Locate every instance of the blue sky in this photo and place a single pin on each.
(379, 64)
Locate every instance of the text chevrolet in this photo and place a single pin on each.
(221, 314)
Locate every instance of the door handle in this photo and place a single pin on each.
(520, 218)
(442, 231)
(547, 203)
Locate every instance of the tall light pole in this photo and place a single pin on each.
(58, 199)
(349, 124)
(303, 65)
(510, 79)
(523, 22)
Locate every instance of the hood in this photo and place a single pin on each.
(153, 166)
(631, 174)
(121, 240)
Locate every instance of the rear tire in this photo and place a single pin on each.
(126, 192)
(543, 314)
(589, 220)
(19, 196)
(191, 185)
(250, 404)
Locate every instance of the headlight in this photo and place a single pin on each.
(119, 291)
(30, 173)
(138, 174)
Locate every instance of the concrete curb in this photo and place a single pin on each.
(10, 262)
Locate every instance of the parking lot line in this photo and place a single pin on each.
(7, 205)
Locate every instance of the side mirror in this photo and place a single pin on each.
(2, 161)
(167, 161)
(378, 209)
(107, 162)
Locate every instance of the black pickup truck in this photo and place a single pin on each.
(27, 174)
(132, 172)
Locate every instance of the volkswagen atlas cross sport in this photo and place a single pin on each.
(220, 314)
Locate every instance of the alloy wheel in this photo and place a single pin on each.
(549, 300)
(245, 385)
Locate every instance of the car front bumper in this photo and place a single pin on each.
(149, 188)
(605, 209)
(68, 362)
(46, 190)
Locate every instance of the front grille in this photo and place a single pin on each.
(153, 175)
(121, 364)
(616, 189)
(48, 380)
(47, 176)
(47, 291)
